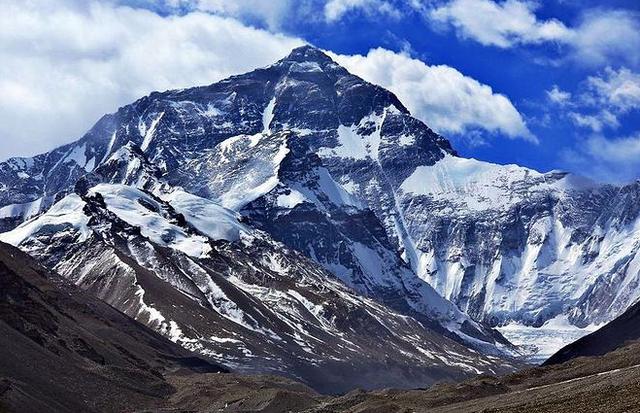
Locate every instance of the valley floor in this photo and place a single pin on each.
(610, 384)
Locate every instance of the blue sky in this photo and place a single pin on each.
(548, 85)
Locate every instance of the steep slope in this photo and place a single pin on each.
(64, 350)
(337, 168)
(511, 245)
(189, 269)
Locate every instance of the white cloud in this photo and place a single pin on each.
(597, 121)
(608, 160)
(336, 9)
(439, 95)
(499, 24)
(606, 36)
(619, 89)
(65, 64)
(558, 96)
(269, 12)
(277, 13)
(600, 36)
(605, 97)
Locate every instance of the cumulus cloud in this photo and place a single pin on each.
(441, 96)
(64, 64)
(599, 36)
(608, 160)
(499, 24)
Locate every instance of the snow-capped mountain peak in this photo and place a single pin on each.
(337, 169)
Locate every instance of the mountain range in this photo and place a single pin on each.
(299, 220)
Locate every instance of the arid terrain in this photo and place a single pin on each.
(608, 384)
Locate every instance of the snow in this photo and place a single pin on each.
(228, 144)
(225, 340)
(25, 210)
(124, 202)
(255, 182)
(239, 197)
(351, 187)
(206, 216)
(148, 133)
(540, 343)
(66, 213)
(18, 164)
(211, 111)
(334, 191)
(369, 260)
(469, 183)
(267, 115)
(230, 310)
(406, 140)
(174, 332)
(90, 165)
(301, 131)
(171, 329)
(291, 199)
(78, 155)
(305, 67)
(112, 142)
(314, 309)
(325, 187)
(352, 145)
(155, 316)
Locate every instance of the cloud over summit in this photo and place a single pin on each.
(66, 63)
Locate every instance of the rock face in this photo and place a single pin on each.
(510, 244)
(337, 169)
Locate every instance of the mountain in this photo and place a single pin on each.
(64, 350)
(511, 245)
(189, 269)
(237, 144)
(338, 169)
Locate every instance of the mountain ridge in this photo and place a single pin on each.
(336, 168)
